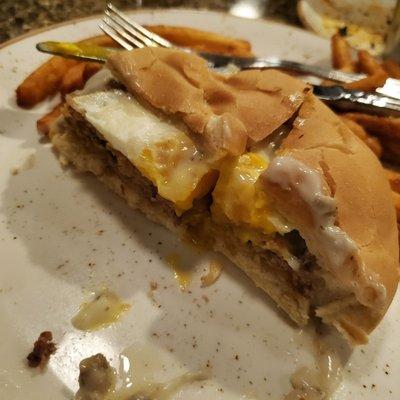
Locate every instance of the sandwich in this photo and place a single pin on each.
(250, 164)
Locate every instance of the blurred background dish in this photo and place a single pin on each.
(365, 23)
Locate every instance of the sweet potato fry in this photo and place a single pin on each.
(385, 127)
(43, 82)
(392, 68)
(101, 40)
(394, 178)
(391, 150)
(73, 79)
(372, 142)
(202, 41)
(76, 77)
(341, 54)
(47, 79)
(90, 69)
(44, 123)
(396, 198)
(367, 63)
(370, 83)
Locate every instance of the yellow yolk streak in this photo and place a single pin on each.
(237, 195)
(176, 170)
(182, 275)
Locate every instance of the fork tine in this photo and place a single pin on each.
(122, 33)
(145, 32)
(127, 27)
(110, 32)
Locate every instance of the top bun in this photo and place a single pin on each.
(224, 111)
(353, 180)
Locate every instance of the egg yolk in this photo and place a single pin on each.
(237, 195)
(178, 171)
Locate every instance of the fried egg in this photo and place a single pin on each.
(160, 150)
(237, 196)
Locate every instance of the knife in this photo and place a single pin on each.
(356, 100)
(335, 96)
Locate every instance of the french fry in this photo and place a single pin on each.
(392, 68)
(342, 59)
(341, 54)
(76, 77)
(396, 198)
(372, 142)
(46, 80)
(370, 83)
(367, 63)
(385, 127)
(101, 40)
(398, 228)
(90, 69)
(43, 82)
(394, 179)
(391, 150)
(73, 79)
(44, 123)
(202, 41)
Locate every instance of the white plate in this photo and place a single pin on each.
(50, 222)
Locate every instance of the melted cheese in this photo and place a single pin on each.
(104, 309)
(237, 196)
(162, 152)
(330, 244)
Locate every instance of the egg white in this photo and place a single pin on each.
(160, 150)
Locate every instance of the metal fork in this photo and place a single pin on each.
(130, 35)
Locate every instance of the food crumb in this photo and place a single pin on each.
(43, 348)
(213, 273)
(26, 164)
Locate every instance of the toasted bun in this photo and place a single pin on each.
(224, 111)
(351, 175)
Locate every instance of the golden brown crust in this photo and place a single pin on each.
(223, 110)
(353, 176)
